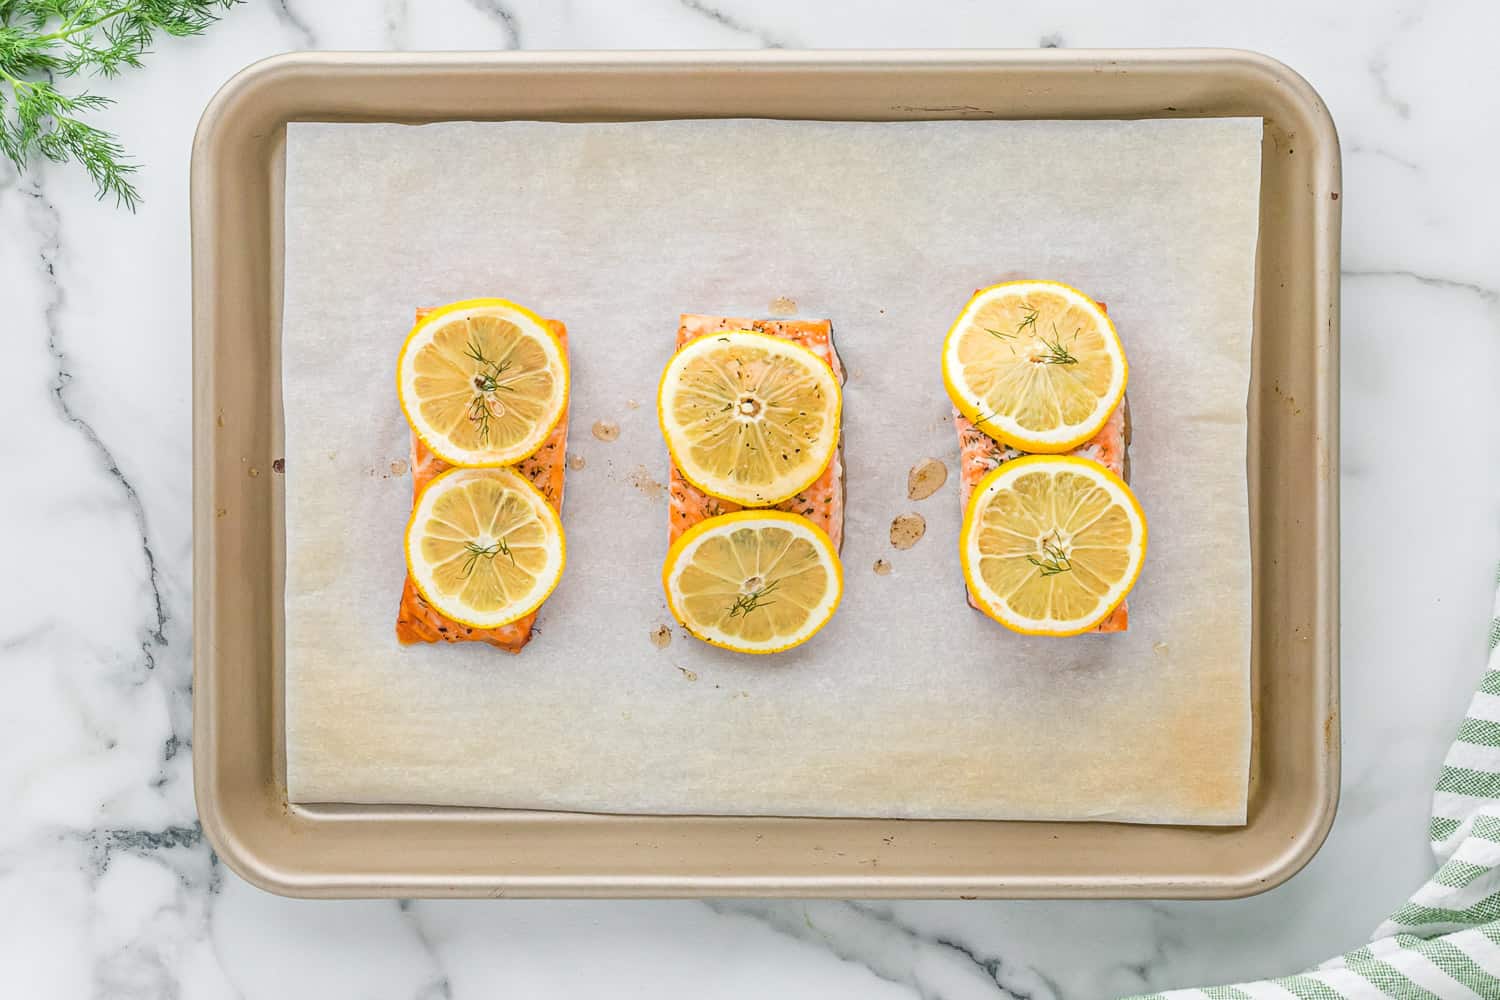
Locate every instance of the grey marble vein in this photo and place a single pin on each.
(876, 936)
(875, 940)
(1489, 295)
(104, 844)
(1379, 67)
(734, 24)
(282, 9)
(46, 224)
(1014, 979)
(439, 988)
(1360, 149)
(143, 819)
(229, 982)
(497, 11)
(395, 17)
(795, 921)
(143, 964)
(1379, 64)
(134, 972)
(15, 641)
(1149, 969)
(171, 747)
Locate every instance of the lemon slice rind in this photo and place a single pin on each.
(796, 474)
(544, 581)
(1036, 344)
(438, 442)
(1002, 479)
(681, 557)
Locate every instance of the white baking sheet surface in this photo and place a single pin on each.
(910, 703)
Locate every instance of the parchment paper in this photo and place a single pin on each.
(910, 703)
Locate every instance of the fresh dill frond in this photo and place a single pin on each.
(486, 384)
(45, 41)
(1028, 322)
(1057, 353)
(488, 377)
(746, 603)
(1027, 325)
(1054, 559)
(478, 552)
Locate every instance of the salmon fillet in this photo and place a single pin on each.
(822, 503)
(418, 621)
(979, 454)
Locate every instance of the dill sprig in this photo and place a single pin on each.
(1056, 353)
(486, 383)
(1054, 559)
(746, 603)
(44, 41)
(1027, 324)
(1028, 321)
(477, 552)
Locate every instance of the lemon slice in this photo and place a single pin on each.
(483, 546)
(755, 581)
(482, 382)
(1051, 544)
(749, 417)
(1034, 364)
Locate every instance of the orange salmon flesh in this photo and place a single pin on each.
(979, 454)
(822, 503)
(418, 621)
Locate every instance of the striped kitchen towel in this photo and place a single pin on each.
(1444, 943)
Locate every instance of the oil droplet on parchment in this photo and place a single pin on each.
(925, 478)
(907, 530)
(641, 479)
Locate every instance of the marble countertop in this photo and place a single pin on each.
(107, 887)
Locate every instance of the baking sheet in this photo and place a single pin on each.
(909, 703)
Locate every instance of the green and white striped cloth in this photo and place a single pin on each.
(1444, 943)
